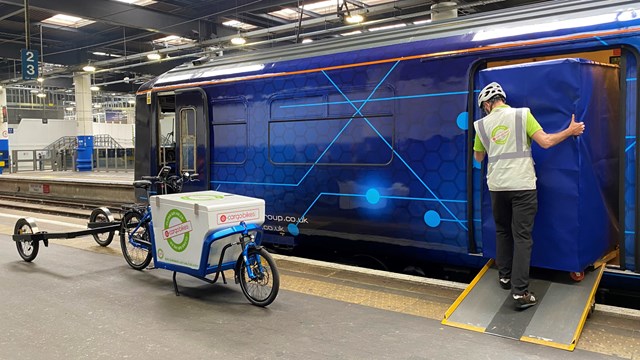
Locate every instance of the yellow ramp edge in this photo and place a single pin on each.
(585, 312)
(462, 296)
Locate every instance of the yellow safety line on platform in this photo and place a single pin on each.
(464, 294)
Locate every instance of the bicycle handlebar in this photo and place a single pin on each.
(175, 182)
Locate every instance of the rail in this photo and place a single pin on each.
(41, 160)
(113, 159)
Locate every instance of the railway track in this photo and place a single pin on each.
(56, 206)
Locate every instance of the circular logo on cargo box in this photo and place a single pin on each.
(176, 230)
(223, 218)
(202, 197)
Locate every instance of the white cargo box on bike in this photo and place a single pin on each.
(182, 221)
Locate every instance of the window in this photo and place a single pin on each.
(323, 128)
(230, 137)
(188, 140)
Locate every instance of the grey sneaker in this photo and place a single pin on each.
(525, 300)
(505, 283)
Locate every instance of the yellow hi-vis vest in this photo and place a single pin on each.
(504, 135)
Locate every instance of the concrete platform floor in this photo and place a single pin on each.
(118, 177)
(83, 301)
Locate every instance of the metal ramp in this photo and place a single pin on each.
(556, 321)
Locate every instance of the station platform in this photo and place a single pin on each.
(86, 187)
(102, 177)
(82, 300)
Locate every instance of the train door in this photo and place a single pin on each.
(598, 217)
(192, 137)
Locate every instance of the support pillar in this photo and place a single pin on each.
(84, 121)
(4, 131)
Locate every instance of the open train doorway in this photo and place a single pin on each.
(595, 87)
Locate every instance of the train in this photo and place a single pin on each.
(361, 145)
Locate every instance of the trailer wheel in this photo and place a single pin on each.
(102, 215)
(28, 250)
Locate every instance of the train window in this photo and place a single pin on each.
(230, 138)
(188, 140)
(167, 140)
(333, 128)
(167, 130)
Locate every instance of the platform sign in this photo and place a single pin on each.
(29, 64)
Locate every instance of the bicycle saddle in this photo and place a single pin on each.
(142, 184)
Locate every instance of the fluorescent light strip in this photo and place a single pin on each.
(388, 27)
(138, 2)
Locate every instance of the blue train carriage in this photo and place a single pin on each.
(361, 145)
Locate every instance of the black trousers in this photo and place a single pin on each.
(514, 212)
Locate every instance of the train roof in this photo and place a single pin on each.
(555, 19)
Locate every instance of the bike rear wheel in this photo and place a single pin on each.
(263, 288)
(135, 240)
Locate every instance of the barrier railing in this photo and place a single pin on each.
(41, 160)
(113, 159)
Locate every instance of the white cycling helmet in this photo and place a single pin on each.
(490, 91)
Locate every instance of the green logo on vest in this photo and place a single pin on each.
(500, 134)
(180, 227)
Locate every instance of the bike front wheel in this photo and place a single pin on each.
(263, 288)
(135, 240)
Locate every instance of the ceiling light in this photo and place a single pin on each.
(138, 2)
(173, 40)
(351, 33)
(307, 40)
(238, 25)
(154, 56)
(40, 79)
(102, 53)
(288, 14)
(94, 88)
(238, 40)
(131, 101)
(354, 19)
(41, 95)
(67, 20)
(69, 108)
(388, 27)
(89, 68)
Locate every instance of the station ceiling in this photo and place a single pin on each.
(117, 35)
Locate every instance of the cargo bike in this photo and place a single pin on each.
(199, 234)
